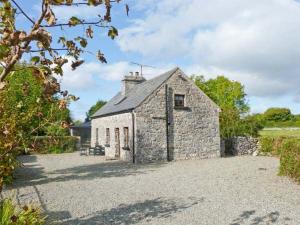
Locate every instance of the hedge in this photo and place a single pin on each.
(288, 149)
(55, 145)
(290, 159)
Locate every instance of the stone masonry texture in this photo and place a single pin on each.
(193, 129)
(238, 146)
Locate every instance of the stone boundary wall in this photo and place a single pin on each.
(240, 146)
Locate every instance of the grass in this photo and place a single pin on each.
(277, 133)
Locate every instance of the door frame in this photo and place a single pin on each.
(117, 143)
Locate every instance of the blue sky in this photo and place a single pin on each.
(255, 42)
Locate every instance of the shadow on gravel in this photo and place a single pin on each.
(126, 214)
(248, 217)
(34, 174)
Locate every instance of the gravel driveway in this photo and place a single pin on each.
(75, 189)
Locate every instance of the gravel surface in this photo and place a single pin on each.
(75, 189)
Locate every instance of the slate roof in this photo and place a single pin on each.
(83, 125)
(135, 96)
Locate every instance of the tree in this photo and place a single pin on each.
(25, 111)
(48, 54)
(278, 114)
(231, 97)
(94, 108)
(16, 42)
(224, 92)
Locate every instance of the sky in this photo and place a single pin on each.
(254, 42)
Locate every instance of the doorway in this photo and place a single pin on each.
(117, 143)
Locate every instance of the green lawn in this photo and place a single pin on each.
(283, 132)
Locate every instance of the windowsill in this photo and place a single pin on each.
(126, 148)
(181, 108)
(107, 145)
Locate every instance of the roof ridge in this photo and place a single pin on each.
(135, 96)
(169, 72)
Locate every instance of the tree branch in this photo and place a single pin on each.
(82, 23)
(85, 3)
(50, 49)
(22, 11)
(16, 57)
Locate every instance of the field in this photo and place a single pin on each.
(281, 132)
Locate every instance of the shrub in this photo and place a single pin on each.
(271, 145)
(278, 114)
(290, 159)
(9, 214)
(56, 145)
(288, 149)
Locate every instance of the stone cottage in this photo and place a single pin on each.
(165, 118)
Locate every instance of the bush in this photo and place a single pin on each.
(250, 126)
(9, 214)
(56, 145)
(278, 114)
(290, 159)
(271, 145)
(56, 130)
(288, 149)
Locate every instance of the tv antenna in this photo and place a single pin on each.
(141, 66)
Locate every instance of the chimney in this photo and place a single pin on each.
(130, 81)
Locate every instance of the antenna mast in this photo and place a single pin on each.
(141, 66)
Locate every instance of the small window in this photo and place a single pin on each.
(179, 101)
(126, 137)
(107, 139)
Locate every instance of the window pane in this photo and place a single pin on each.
(179, 100)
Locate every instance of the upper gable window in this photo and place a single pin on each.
(179, 100)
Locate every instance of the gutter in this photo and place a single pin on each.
(167, 122)
(112, 113)
(133, 136)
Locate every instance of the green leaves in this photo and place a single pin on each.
(82, 41)
(35, 60)
(95, 2)
(112, 32)
(4, 50)
(74, 21)
(49, 16)
(230, 97)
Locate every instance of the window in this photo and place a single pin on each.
(126, 138)
(179, 101)
(97, 136)
(107, 139)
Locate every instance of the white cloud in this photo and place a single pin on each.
(80, 78)
(255, 42)
(84, 76)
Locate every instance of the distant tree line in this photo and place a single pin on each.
(235, 117)
(278, 117)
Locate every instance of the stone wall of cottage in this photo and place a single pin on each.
(112, 122)
(193, 130)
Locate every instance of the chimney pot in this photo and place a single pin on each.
(130, 81)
